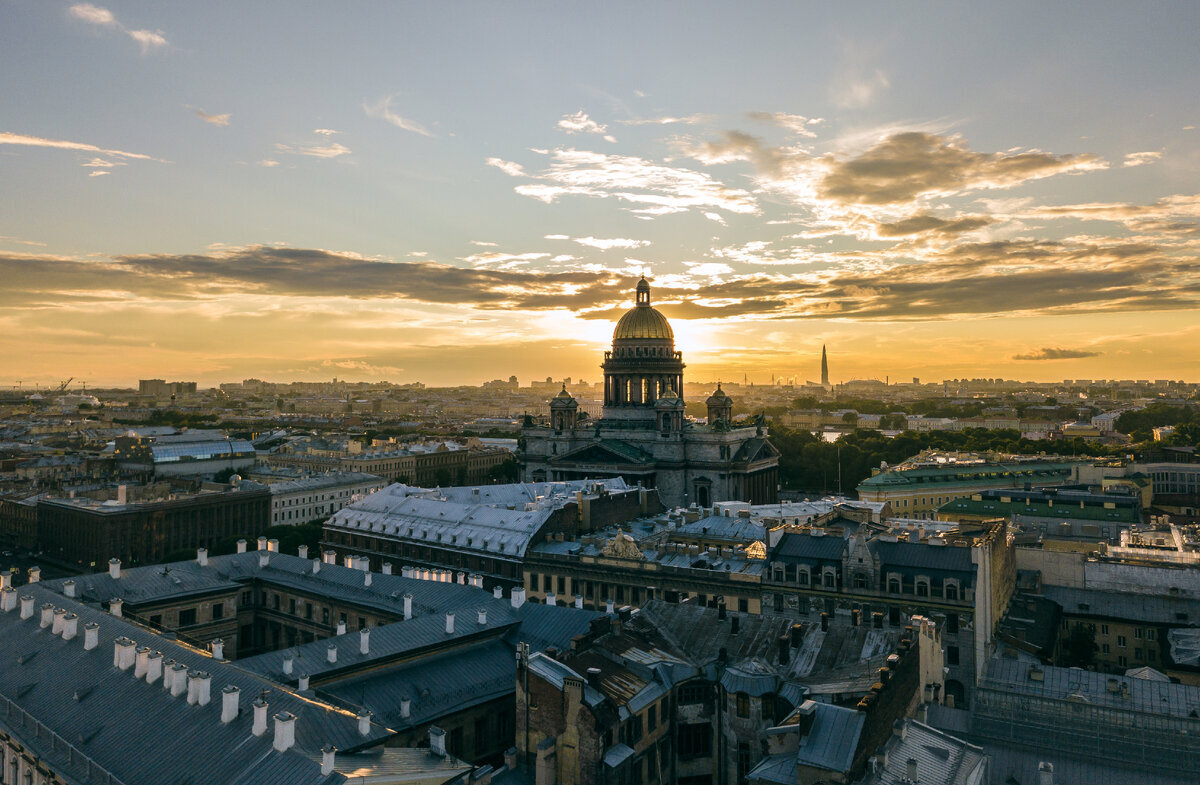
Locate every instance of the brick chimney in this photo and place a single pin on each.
(262, 543)
(498, 592)
(387, 568)
(264, 558)
(273, 546)
(114, 568)
(579, 601)
(405, 707)
(910, 770)
(285, 731)
(341, 627)
(230, 697)
(551, 599)
(316, 566)
(198, 688)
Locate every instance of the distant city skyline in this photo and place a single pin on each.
(454, 193)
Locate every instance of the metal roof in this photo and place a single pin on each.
(923, 555)
(940, 758)
(805, 546)
(723, 527)
(832, 740)
(1144, 608)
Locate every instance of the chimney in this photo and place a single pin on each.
(6, 579)
(736, 624)
(329, 556)
(482, 616)
(806, 715)
(608, 607)
(285, 731)
(179, 679)
(302, 684)
(287, 664)
(341, 627)
(498, 592)
(114, 606)
(593, 677)
(408, 606)
(302, 551)
(202, 557)
(47, 614)
(387, 568)
(218, 649)
(167, 677)
(366, 579)
(193, 687)
(154, 666)
(203, 687)
(720, 609)
(69, 589)
(56, 624)
(482, 775)
(123, 653)
(331, 653)
(262, 543)
(405, 707)
(1045, 773)
(35, 574)
(91, 636)
(783, 647)
(364, 641)
(328, 759)
(260, 717)
(796, 632)
(449, 623)
(316, 566)
(27, 601)
(824, 621)
(510, 759)
(551, 599)
(462, 578)
(910, 769)
(364, 723)
(264, 558)
(230, 697)
(114, 568)
(140, 662)
(437, 741)
(855, 616)
(8, 599)
(518, 596)
(579, 601)
(273, 546)
(241, 546)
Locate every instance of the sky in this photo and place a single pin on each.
(452, 192)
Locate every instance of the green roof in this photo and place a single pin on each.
(999, 474)
(1063, 510)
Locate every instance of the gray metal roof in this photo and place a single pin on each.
(805, 546)
(105, 713)
(1011, 765)
(923, 555)
(1145, 608)
(831, 741)
(723, 527)
(940, 758)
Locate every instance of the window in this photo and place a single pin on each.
(652, 718)
(218, 611)
(1122, 661)
(951, 655)
(1104, 629)
(1121, 641)
(802, 577)
(292, 606)
(743, 605)
(245, 598)
(635, 729)
(695, 741)
(768, 707)
(830, 581)
(187, 617)
(692, 693)
(743, 761)
(308, 611)
(951, 623)
(778, 602)
(1104, 648)
(562, 585)
(156, 620)
(1137, 654)
(743, 704)
(951, 591)
(1137, 633)
(276, 599)
(893, 585)
(1150, 634)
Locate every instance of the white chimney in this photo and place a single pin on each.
(387, 568)
(91, 636)
(551, 599)
(260, 717)
(8, 599)
(287, 664)
(407, 607)
(167, 677)
(462, 578)
(241, 546)
(218, 649)
(518, 596)
(449, 623)
(114, 568)
(437, 741)
(114, 606)
(154, 666)
(608, 607)
(285, 731)
(140, 660)
(364, 723)
(5, 579)
(405, 707)
(47, 614)
(264, 558)
(70, 626)
(56, 623)
(193, 688)
(1045, 773)
(331, 653)
(179, 673)
(27, 606)
(124, 652)
(69, 589)
(316, 566)
(202, 557)
(482, 616)
(330, 557)
(303, 682)
(203, 688)
(302, 551)
(498, 592)
(35, 574)
(351, 561)
(273, 546)
(366, 579)
(364, 641)
(328, 758)
(262, 543)
(230, 696)
(910, 769)
(341, 627)
(578, 600)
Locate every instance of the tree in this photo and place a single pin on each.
(850, 418)
(1079, 650)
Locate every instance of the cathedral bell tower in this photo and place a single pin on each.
(564, 411)
(643, 365)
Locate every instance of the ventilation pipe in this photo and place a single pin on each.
(114, 569)
(437, 741)
(387, 568)
(331, 653)
(482, 616)
(579, 601)
(364, 723)
(91, 636)
(498, 592)
(910, 769)
(518, 596)
(316, 566)
(302, 551)
(364, 641)
(287, 664)
(408, 598)
(449, 623)
(202, 557)
(285, 731)
(260, 717)
(230, 698)
(302, 685)
(366, 579)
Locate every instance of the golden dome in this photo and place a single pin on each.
(643, 322)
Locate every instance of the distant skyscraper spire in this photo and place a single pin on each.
(824, 368)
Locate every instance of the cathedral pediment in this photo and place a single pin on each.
(755, 449)
(606, 451)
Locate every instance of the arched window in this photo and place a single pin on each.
(830, 580)
(951, 591)
(923, 587)
(802, 576)
(894, 585)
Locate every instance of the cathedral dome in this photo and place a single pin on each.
(643, 322)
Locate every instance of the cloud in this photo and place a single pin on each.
(483, 243)
(268, 162)
(912, 165)
(924, 223)
(556, 237)
(100, 163)
(332, 150)
(856, 89)
(616, 242)
(211, 119)
(691, 119)
(34, 141)
(795, 123)
(580, 123)
(1141, 159)
(508, 167)
(325, 131)
(1050, 353)
(148, 40)
(382, 109)
(99, 173)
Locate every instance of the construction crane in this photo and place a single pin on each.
(63, 387)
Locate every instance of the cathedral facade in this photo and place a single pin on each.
(643, 435)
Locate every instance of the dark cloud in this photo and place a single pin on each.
(924, 223)
(906, 166)
(1051, 353)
